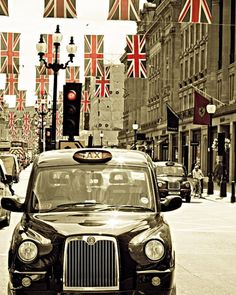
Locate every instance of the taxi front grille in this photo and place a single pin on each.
(91, 263)
(173, 185)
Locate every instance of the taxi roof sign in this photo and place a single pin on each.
(92, 156)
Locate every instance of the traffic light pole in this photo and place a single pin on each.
(56, 66)
(54, 109)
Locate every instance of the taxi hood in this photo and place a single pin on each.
(74, 223)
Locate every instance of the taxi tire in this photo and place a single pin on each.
(188, 199)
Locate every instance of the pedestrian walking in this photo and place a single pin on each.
(218, 171)
(198, 177)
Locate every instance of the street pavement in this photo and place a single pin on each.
(230, 198)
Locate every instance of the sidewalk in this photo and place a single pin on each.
(216, 196)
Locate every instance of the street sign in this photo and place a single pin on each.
(64, 144)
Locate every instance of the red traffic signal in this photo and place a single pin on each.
(71, 108)
(71, 95)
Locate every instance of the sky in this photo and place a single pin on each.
(26, 17)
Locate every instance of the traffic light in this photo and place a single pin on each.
(48, 138)
(71, 108)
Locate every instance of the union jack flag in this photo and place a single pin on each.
(11, 84)
(93, 54)
(124, 10)
(72, 74)
(10, 52)
(85, 102)
(26, 124)
(11, 120)
(60, 8)
(136, 56)
(42, 82)
(20, 100)
(49, 54)
(2, 91)
(196, 11)
(59, 123)
(4, 7)
(60, 101)
(102, 87)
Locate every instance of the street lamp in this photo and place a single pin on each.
(42, 110)
(56, 66)
(135, 128)
(101, 138)
(211, 108)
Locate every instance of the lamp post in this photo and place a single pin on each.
(101, 138)
(135, 128)
(42, 110)
(211, 108)
(56, 66)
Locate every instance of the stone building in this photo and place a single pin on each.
(183, 57)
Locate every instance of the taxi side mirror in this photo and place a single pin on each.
(171, 203)
(12, 204)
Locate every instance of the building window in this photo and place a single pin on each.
(203, 62)
(232, 32)
(196, 62)
(219, 89)
(186, 39)
(186, 69)
(231, 87)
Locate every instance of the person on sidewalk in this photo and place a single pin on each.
(218, 171)
(198, 177)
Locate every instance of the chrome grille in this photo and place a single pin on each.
(91, 263)
(174, 185)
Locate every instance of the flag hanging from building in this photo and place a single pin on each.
(196, 11)
(42, 82)
(11, 84)
(10, 53)
(200, 115)
(136, 56)
(72, 74)
(4, 7)
(60, 8)
(50, 54)
(26, 124)
(93, 55)
(59, 120)
(124, 10)
(20, 100)
(85, 102)
(102, 87)
(172, 120)
(11, 120)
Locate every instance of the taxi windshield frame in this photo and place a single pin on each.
(104, 183)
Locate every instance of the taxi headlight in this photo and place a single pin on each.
(154, 250)
(160, 184)
(187, 184)
(27, 251)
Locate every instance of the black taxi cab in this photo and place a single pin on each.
(172, 179)
(92, 223)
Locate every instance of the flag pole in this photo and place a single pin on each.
(211, 98)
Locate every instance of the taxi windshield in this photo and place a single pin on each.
(170, 171)
(89, 184)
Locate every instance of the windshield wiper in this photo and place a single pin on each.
(75, 204)
(126, 207)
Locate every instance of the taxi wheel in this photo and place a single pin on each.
(7, 220)
(188, 199)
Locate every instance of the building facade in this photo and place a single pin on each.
(183, 57)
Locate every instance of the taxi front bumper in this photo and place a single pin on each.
(146, 282)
